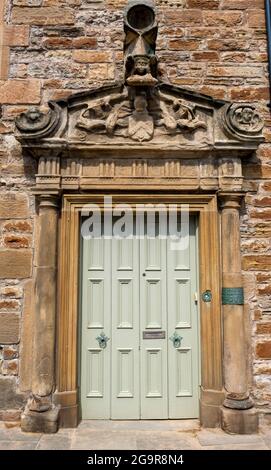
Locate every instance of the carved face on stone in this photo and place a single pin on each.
(141, 66)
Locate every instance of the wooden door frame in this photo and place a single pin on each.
(68, 299)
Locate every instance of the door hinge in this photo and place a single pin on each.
(196, 297)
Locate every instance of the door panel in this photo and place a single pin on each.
(153, 315)
(96, 306)
(125, 329)
(183, 372)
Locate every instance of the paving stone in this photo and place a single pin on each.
(147, 425)
(267, 438)
(104, 440)
(15, 434)
(49, 442)
(252, 446)
(18, 445)
(164, 441)
(218, 437)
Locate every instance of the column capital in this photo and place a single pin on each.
(230, 200)
(48, 200)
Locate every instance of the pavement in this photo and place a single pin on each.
(134, 435)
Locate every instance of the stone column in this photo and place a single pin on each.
(40, 414)
(238, 414)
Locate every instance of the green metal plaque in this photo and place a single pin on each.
(232, 296)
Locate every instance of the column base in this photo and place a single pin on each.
(45, 421)
(239, 421)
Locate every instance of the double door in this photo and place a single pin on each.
(139, 328)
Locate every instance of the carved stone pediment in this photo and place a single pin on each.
(160, 117)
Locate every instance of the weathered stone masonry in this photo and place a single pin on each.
(53, 48)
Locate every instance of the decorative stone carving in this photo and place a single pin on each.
(137, 116)
(140, 123)
(140, 30)
(36, 124)
(242, 121)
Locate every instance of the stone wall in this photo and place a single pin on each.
(52, 48)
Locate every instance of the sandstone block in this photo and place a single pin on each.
(264, 328)
(215, 91)
(184, 17)
(235, 71)
(58, 43)
(10, 367)
(13, 205)
(17, 265)
(264, 214)
(46, 422)
(205, 56)
(203, 4)
(20, 91)
(263, 350)
(92, 57)
(26, 3)
(241, 4)
(184, 44)
(102, 72)
(84, 42)
(239, 421)
(43, 15)
(227, 44)
(227, 18)
(262, 201)
(256, 262)
(16, 241)
(9, 328)
(9, 397)
(8, 305)
(15, 35)
(10, 352)
(11, 292)
(256, 18)
(249, 94)
(17, 226)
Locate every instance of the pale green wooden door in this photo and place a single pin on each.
(139, 292)
(153, 317)
(183, 373)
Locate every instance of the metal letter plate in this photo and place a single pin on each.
(154, 334)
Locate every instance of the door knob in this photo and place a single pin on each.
(102, 340)
(176, 340)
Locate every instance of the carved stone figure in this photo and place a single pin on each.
(140, 123)
(141, 70)
(140, 29)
